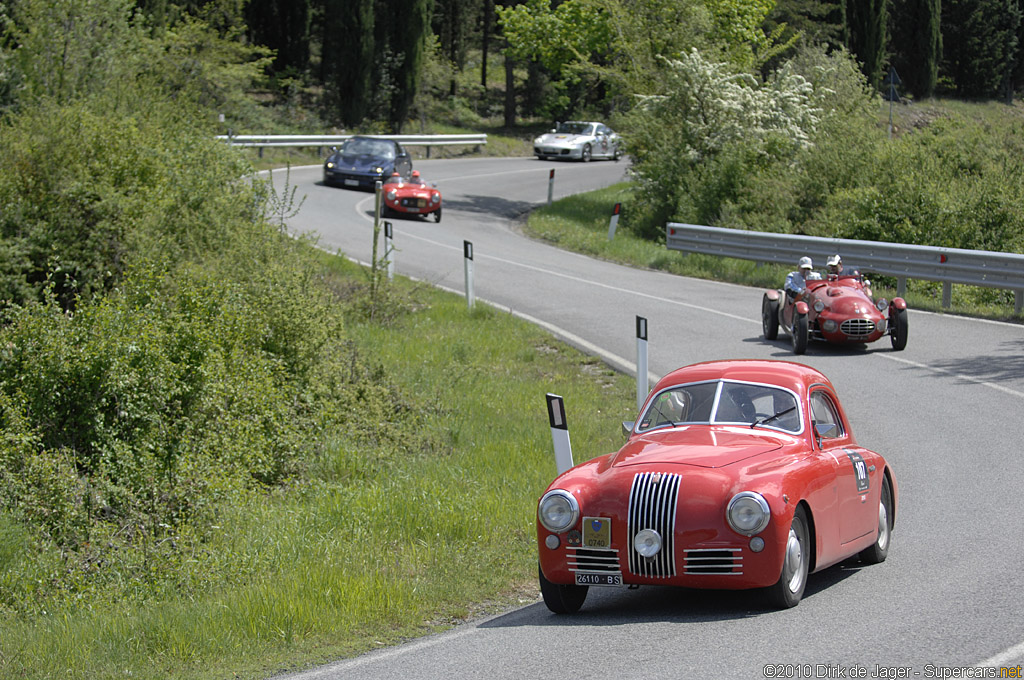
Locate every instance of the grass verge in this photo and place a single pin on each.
(381, 544)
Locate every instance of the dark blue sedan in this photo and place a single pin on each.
(362, 161)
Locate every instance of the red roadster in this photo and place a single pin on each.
(410, 197)
(737, 475)
(836, 309)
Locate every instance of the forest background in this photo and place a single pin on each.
(196, 449)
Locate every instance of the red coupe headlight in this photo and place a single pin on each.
(558, 511)
(392, 195)
(748, 513)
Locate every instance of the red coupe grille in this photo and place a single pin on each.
(590, 559)
(857, 328)
(714, 561)
(652, 505)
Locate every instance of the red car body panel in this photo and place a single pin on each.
(712, 462)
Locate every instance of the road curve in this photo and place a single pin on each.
(944, 412)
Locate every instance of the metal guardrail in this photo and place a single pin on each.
(321, 141)
(947, 265)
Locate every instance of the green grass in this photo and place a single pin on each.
(381, 545)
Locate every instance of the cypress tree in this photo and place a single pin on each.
(980, 45)
(867, 30)
(402, 26)
(916, 44)
(348, 58)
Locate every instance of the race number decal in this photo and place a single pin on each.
(860, 471)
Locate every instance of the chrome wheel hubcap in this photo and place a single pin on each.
(794, 562)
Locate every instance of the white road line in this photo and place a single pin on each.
(1015, 653)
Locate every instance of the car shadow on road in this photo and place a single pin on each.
(994, 368)
(489, 205)
(620, 606)
(785, 348)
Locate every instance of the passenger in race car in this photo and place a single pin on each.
(796, 281)
(836, 269)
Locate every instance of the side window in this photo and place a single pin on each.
(826, 418)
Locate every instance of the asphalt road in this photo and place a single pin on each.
(944, 412)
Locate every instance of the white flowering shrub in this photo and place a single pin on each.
(711, 119)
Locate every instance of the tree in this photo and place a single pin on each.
(68, 49)
(981, 49)
(916, 41)
(401, 29)
(814, 21)
(283, 26)
(453, 23)
(347, 67)
(867, 34)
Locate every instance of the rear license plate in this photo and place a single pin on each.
(598, 579)
(351, 182)
(597, 532)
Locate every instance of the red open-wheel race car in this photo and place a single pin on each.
(836, 308)
(410, 196)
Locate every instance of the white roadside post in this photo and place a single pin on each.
(389, 248)
(559, 433)
(551, 185)
(614, 223)
(467, 255)
(641, 361)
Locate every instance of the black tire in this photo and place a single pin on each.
(770, 318)
(561, 599)
(799, 333)
(789, 589)
(385, 211)
(437, 215)
(879, 550)
(618, 153)
(898, 328)
(586, 154)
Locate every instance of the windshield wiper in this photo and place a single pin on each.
(667, 419)
(771, 418)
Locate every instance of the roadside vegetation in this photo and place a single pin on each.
(225, 453)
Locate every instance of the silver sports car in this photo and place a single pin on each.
(579, 141)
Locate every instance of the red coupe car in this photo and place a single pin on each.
(836, 309)
(738, 475)
(410, 197)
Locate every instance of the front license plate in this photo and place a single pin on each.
(351, 182)
(597, 532)
(598, 579)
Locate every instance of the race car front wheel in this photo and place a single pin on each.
(769, 317)
(799, 333)
(898, 328)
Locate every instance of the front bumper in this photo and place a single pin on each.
(554, 151)
(351, 179)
